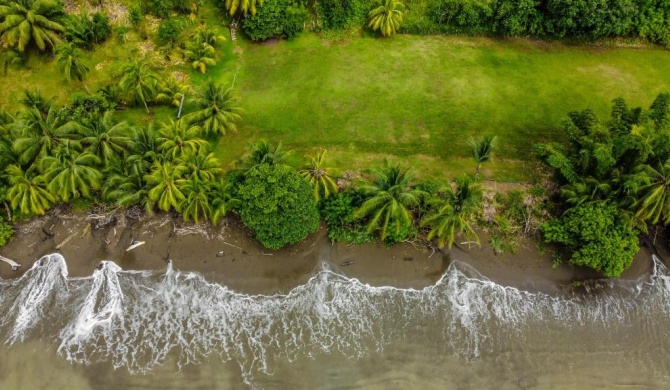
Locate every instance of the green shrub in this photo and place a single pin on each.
(276, 18)
(169, 30)
(338, 212)
(277, 204)
(338, 14)
(596, 236)
(87, 30)
(6, 232)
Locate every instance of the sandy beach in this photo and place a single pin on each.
(229, 255)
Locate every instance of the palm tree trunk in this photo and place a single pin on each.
(145, 106)
(86, 88)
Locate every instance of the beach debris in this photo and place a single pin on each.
(11, 262)
(234, 246)
(220, 254)
(267, 254)
(66, 240)
(346, 263)
(135, 244)
(245, 253)
(408, 258)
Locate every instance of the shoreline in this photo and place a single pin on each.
(230, 256)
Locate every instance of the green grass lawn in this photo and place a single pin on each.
(412, 99)
(418, 99)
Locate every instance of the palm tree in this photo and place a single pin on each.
(40, 136)
(196, 204)
(178, 139)
(208, 36)
(164, 183)
(25, 21)
(139, 81)
(261, 152)
(171, 91)
(482, 150)
(452, 212)
(653, 202)
(218, 110)
(222, 200)
(126, 186)
(204, 166)
(318, 177)
(386, 17)
(201, 55)
(71, 174)
(70, 63)
(35, 100)
(104, 138)
(27, 192)
(144, 145)
(11, 57)
(389, 198)
(243, 6)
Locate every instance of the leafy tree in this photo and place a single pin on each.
(28, 193)
(338, 14)
(386, 17)
(482, 150)
(596, 236)
(70, 60)
(139, 82)
(169, 30)
(201, 55)
(104, 138)
(222, 200)
(196, 202)
(87, 30)
(217, 109)
(277, 18)
(318, 177)
(178, 139)
(277, 205)
(242, 6)
(453, 211)
(171, 91)
(165, 181)
(653, 200)
(39, 136)
(204, 166)
(260, 153)
(71, 174)
(389, 199)
(518, 17)
(26, 21)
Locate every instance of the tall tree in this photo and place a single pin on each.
(178, 139)
(105, 138)
(171, 91)
(242, 6)
(164, 183)
(71, 174)
(139, 82)
(260, 153)
(196, 204)
(222, 200)
(389, 199)
(70, 61)
(452, 211)
(318, 177)
(27, 192)
(201, 55)
(204, 166)
(126, 186)
(39, 136)
(26, 21)
(386, 17)
(218, 110)
(653, 199)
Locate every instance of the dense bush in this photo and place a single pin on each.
(338, 212)
(87, 30)
(596, 237)
(276, 18)
(336, 14)
(277, 205)
(169, 30)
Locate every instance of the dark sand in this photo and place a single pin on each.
(229, 255)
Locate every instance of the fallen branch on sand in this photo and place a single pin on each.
(11, 262)
(135, 245)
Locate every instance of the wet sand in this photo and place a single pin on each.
(229, 255)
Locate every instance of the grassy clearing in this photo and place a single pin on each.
(414, 99)
(418, 99)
